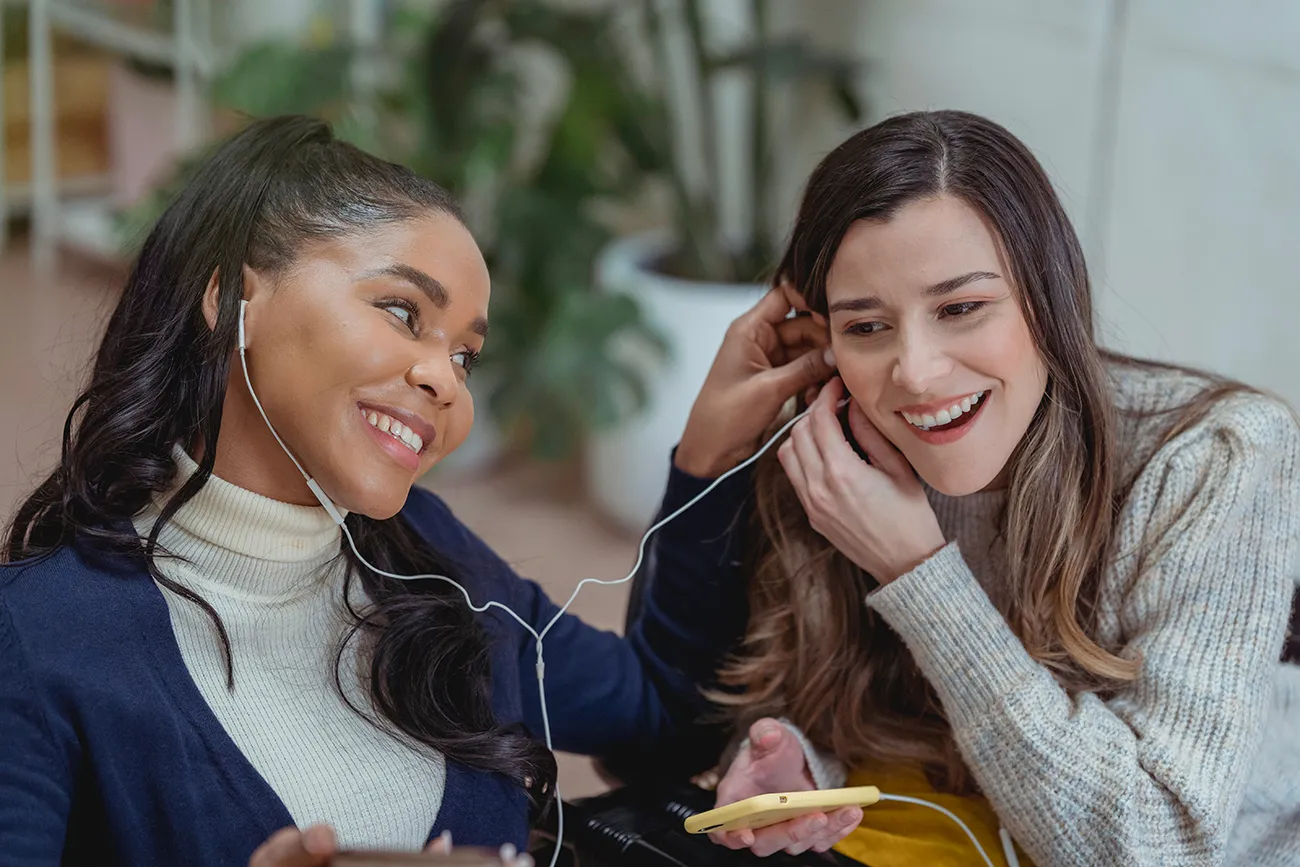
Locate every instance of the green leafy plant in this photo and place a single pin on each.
(449, 103)
(770, 63)
(449, 108)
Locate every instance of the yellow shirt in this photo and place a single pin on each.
(909, 835)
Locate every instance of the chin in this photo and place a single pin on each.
(959, 481)
(372, 500)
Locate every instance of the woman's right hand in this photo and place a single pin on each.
(772, 762)
(765, 359)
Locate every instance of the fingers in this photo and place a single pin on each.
(796, 300)
(801, 334)
(811, 368)
(793, 470)
(883, 454)
(824, 425)
(793, 836)
(511, 857)
(765, 737)
(816, 832)
(742, 839)
(772, 308)
(811, 460)
(841, 824)
(290, 847)
(777, 303)
(442, 845)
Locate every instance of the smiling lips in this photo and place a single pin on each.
(945, 422)
(947, 415)
(404, 427)
(397, 430)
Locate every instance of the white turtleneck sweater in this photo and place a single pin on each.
(274, 574)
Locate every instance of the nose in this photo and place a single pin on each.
(921, 362)
(435, 374)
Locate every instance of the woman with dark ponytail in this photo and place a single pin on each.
(194, 668)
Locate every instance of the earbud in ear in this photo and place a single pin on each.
(243, 339)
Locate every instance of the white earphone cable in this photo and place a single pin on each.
(538, 637)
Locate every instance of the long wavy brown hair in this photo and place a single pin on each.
(813, 652)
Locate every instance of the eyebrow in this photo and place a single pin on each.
(938, 290)
(436, 292)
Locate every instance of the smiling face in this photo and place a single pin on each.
(359, 353)
(932, 343)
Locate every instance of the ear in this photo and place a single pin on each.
(211, 299)
(252, 285)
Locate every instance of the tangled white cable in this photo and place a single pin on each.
(537, 636)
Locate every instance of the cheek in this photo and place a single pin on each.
(1005, 351)
(864, 379)
(460, 421)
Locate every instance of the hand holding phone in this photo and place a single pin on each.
(773, 761)
(762, 811)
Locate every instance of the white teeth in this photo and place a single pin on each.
(944, 416)
(395, 429)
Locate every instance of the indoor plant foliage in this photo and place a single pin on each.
(451, 89)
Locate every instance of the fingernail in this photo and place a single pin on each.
(508, 851)
(829, 357)
(524, 860)
(820, 822)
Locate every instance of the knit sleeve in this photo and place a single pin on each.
(1153, 774)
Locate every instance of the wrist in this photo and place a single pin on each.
(702, 464)
(912, 563)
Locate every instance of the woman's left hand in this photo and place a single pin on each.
(875, 513)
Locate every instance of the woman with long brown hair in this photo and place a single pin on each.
(1037, 583)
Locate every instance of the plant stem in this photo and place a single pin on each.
(760, 231)
(691, 228)
(715, 259)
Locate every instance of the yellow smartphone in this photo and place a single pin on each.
(461, 856)
(763, 810)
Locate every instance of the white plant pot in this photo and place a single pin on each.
(627, 466)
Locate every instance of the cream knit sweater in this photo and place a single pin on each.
(273, 572)
(1198, 761)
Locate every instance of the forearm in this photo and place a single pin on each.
(1076, 780)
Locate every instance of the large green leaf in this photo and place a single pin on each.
(281, 78)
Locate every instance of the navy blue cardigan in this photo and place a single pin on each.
(109, 754)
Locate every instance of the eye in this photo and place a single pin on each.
(466, 358)
(863, 329)
(404, 311)
(953, 311)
